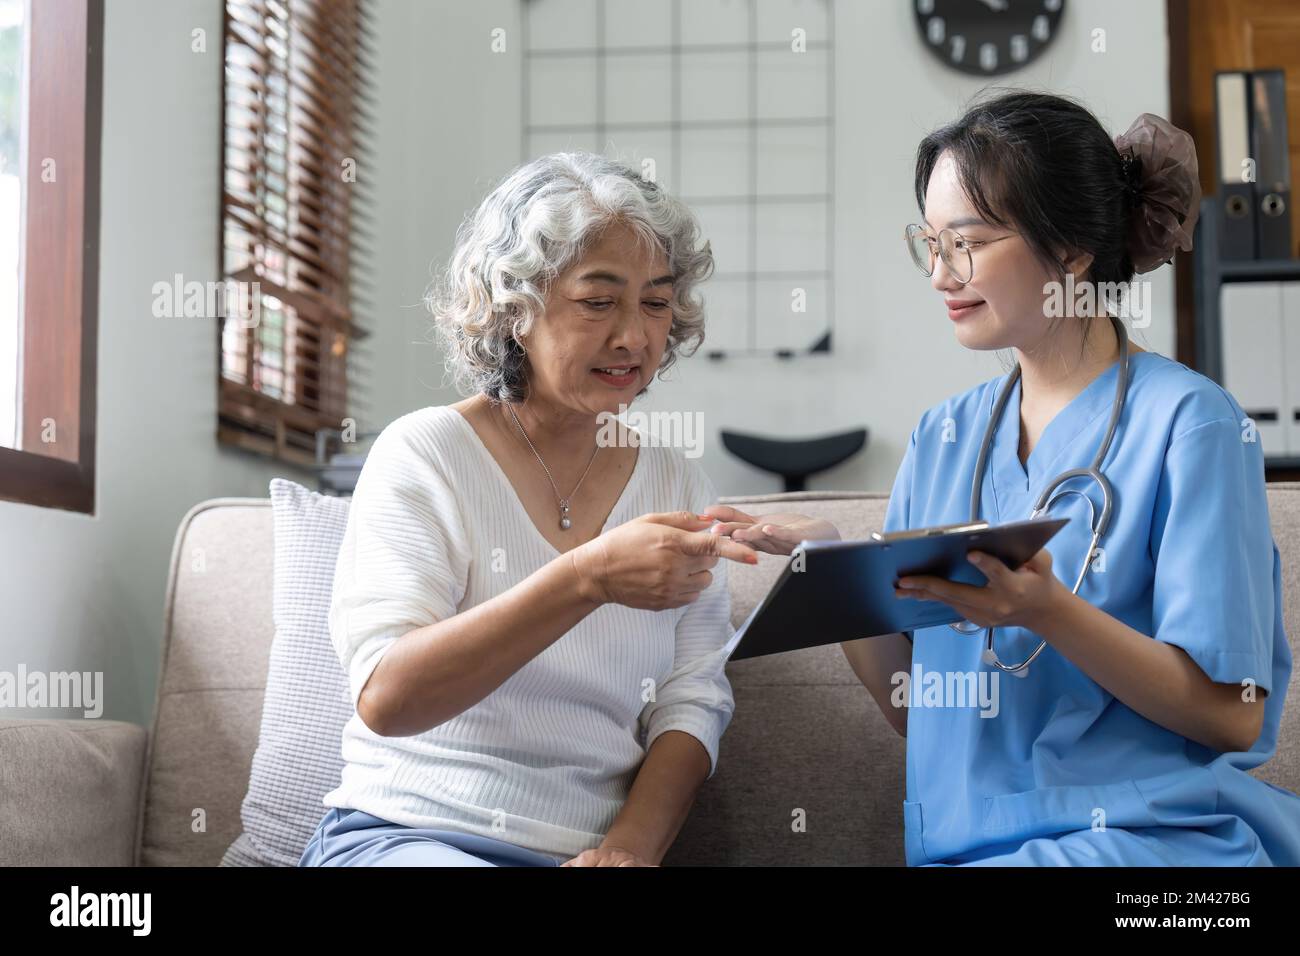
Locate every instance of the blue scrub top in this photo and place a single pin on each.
(1051, 767)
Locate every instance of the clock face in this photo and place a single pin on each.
(987, 37)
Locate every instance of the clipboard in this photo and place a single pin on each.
(833, 591)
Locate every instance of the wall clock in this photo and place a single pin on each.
(987, 37)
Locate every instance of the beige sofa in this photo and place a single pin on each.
(806, 740)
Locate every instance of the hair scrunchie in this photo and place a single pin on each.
(1161, 173)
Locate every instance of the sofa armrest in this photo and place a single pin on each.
(69, 792)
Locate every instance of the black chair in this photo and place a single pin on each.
(795, 459)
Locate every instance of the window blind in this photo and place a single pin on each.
(297, 103)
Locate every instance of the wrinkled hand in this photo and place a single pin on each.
(654, 562)
(1019, 598)
(771, 533)
(607, 856)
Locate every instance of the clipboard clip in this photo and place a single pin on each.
(935, 532)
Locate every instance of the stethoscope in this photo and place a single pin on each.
(1046, 500)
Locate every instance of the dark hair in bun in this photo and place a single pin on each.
(1044, 166)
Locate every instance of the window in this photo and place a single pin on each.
(296, 103)
(50, 89)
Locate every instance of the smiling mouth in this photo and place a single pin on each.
(958, 310)
(619, 375)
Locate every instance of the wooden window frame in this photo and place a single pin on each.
(59, 272)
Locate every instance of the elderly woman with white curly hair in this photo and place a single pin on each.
(533, 618)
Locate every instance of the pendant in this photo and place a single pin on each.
(565, 523)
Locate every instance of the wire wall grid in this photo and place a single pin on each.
(729, 104)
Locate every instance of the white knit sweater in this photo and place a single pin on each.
(547, 759)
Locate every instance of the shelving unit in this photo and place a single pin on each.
(1210, 274)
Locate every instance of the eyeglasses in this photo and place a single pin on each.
(952, 247)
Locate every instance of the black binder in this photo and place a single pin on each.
(1232, 116)
(1273, 170)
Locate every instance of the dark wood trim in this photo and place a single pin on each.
(90, 244)
(220, 265)
(61, 259)
(49, 482)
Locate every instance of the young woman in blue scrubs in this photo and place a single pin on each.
(1129, 738)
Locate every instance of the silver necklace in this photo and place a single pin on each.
(565, 523)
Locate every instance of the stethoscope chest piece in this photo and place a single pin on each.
(990, 657)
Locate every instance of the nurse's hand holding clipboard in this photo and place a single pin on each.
(1019, 598)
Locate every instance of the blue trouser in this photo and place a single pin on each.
(347, 837)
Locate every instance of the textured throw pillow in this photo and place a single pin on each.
(307, 703)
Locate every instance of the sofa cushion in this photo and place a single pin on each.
(69, 792)
(217, 635)
(306, 703)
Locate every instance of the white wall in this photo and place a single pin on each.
(86, 593)
(448, 130)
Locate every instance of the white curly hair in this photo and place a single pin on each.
(537, 222)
